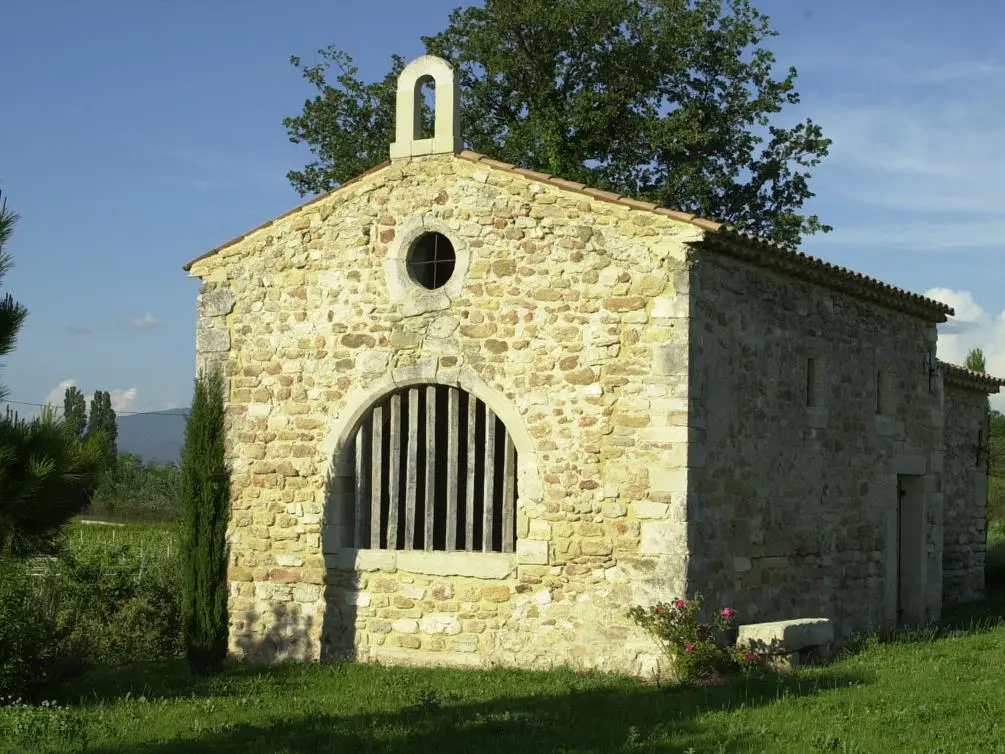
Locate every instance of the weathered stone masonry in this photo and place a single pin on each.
(965, 485)
(651, 370)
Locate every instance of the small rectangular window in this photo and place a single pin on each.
(812, 381)
(880, 392)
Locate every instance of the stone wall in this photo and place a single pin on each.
(567, 316)
(792, 509)
(965, 487)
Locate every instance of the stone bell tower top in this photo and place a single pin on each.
(408, 121)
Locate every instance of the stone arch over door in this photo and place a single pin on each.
(351, 522)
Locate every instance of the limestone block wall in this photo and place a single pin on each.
(566, 314)
(792, 508)
(965, 489)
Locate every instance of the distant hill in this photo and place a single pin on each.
(156, 436)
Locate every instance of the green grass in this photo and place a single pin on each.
(153, 538)
(937, 691)
(934, 692)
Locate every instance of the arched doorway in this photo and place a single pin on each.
(433, 469)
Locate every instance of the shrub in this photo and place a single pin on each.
(120, 605)
(135, 490)
(697, 650)
(111, 605)
(29, 637)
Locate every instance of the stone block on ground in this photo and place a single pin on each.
(787, 637)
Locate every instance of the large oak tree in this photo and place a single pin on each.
(672, 101)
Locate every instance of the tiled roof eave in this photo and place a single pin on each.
(960, 376)
(765, 253)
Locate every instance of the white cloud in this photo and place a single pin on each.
(921, 135)
(967, 310)
(79, 329)
(972, 327)
(122, 400)
(145, 322)
(57, 394)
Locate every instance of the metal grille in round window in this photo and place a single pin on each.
(431, 260)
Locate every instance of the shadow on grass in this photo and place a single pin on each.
(628, 717)
(156, 681)
(970, 618)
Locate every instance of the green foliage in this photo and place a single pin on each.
(45, 473)
(975, 360)
(101, 423)
(138, 491)
(46, 478)
(996, 445)
(696, 649)
(671, 102)
(47, 726)
(205, 494)
(75, 411)
(29, 636)
(994, 561)
(12, 314)
(111, 596)
(124, 599)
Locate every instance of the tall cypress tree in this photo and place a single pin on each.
(102, 421)
(75, 411)
(205, 493)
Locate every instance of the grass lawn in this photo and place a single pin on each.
(926, 693)
(87, 536)
(936, 692)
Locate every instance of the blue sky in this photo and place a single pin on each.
(137, 134)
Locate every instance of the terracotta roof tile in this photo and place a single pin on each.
(968, 378)
(532, 174)
(638, 204)
(607, 196)
(570, 185)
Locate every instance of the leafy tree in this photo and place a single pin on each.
(136, 490)
(46, 478)
(975, 360)
(12, 313)
(75, 411)
(46, 474)
(996, 445)
(205, 495)
(102, 423)
(672, 101)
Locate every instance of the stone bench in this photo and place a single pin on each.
(786, 643)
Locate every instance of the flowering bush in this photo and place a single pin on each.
(696, 649)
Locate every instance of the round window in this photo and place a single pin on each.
(431, 260)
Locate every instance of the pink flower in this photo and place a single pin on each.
(727, 612)
(680, 604)
(659, 610)
(688, 647)
(750, 657)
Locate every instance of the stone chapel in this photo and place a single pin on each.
(476, 412)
